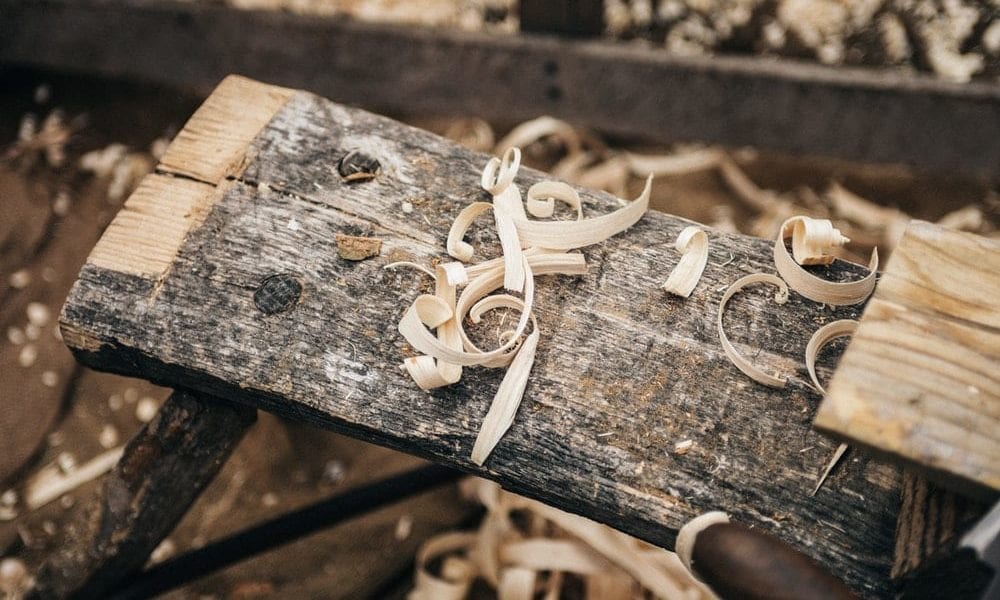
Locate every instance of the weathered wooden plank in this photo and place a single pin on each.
(624, 370)
(161, 473)
(921, 377)
(625, 89)
(565, 17)
(928, 562)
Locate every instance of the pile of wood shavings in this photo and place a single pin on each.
(524, 548)
(530, 247)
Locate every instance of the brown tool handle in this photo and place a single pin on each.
(740, 563)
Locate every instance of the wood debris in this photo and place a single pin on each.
(819, 339)
(810, 237)
(530, 247)
(735, 357)
(351, 247)
(692, 243)
(523, 547)
(51, 482)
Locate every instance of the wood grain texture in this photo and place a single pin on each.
(624, 370)
(928, 563)
(617, 88)
(921, 377)
(161, 473)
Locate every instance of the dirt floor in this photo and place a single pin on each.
(56, 416)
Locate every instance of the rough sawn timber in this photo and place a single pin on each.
(624, 371)
(920, 380)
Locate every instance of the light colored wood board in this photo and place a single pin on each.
(946, 273)
(920, 379)
(147, 232)
(624, 370)
(213, 142)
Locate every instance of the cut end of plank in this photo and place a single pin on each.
(148, 231)
(213, 143)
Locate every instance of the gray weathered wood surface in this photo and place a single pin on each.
(250, 189)
(619, 88)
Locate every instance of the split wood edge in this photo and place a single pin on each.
(148, 232)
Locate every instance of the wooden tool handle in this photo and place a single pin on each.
(741, 563)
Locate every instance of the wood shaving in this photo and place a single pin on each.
(681, 163)
(837, 455)
(819, 339)
(692, 243)
(737, 359)
(534, 130)
(351, 247)
(51, 483)
(529, 248)
(520, 561)
(689, 532)
(808, 239)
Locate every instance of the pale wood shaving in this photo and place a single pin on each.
(692, 243)
(819, 339)
(807, 284)
(51, 482)
(681, 163)
(735, 357)
(432, 325)
(520, 561)
(689, 532)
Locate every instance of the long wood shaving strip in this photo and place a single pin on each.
(680, 163)
(568, 235)
(692, 243)
(432, 325)
(801, 229)
(737, 359)
(519, 561)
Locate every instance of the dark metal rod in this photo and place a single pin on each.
(282, 530)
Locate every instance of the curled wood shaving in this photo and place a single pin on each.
(531, 131)
(692, 243)
(521, 560)
(541, 198)
(432, 324)
(821, 338)
(808, 238)
(689, 532)
(737, 359)
(568, 235)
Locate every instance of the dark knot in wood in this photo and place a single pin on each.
(358, 166)
(277, 293)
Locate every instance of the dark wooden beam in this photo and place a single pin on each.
(163, 470)
(575, 18)
(630, 90)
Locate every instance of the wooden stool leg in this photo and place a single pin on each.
(163, 470)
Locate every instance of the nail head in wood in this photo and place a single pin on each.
(358, 166)
(277, 293)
